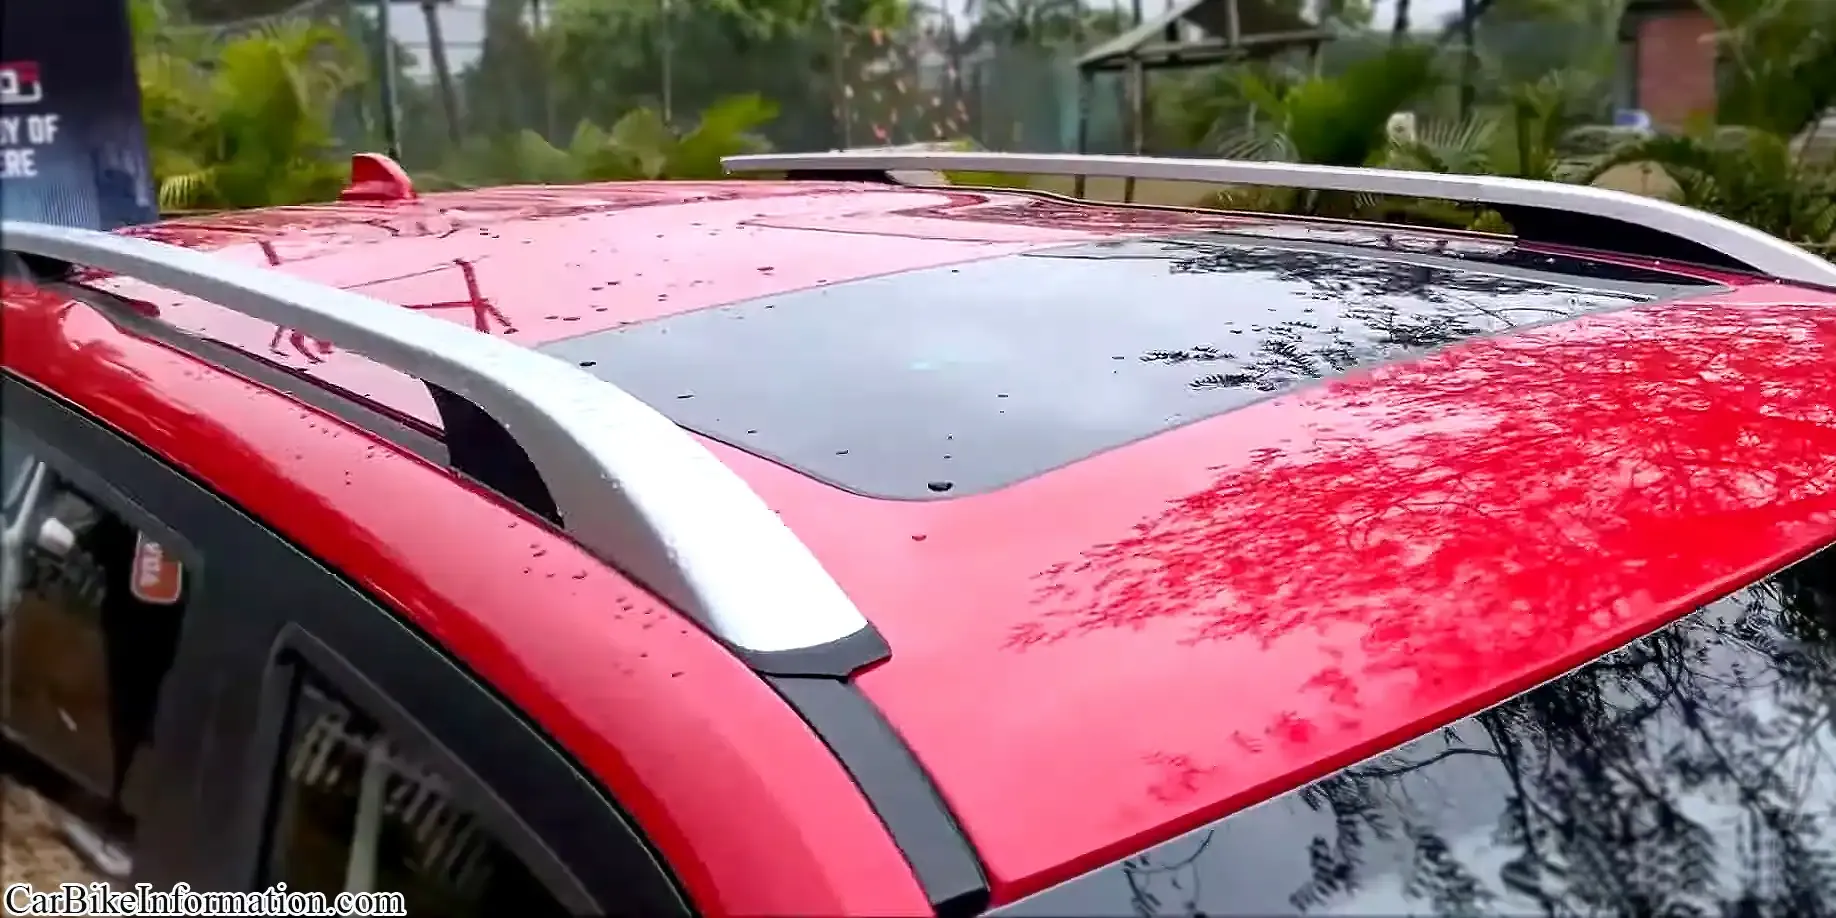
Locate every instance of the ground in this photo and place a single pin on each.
(30, 849)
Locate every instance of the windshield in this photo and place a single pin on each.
(1692, 772)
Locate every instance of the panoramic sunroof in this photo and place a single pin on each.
(949, 381)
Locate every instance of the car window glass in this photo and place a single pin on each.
(1690, 772)
(358, 813)
(91, 616)
(14, 462)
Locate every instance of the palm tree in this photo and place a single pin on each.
(1544, 130)
(1779, 62)
(1336, 121)
(640, 145)
(1749, 175)
(1758, 164)
(242, 121)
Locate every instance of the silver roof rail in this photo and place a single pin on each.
(1699, 231)
(632, 487)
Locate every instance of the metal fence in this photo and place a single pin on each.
(834, 84)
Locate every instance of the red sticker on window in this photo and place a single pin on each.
(157, 579)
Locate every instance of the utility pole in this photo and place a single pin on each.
(667, 49)
(536, 24)
(1469, 55)
(838, 49)
(385, 66)
(436, 47)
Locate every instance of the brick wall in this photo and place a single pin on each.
(1676, 65)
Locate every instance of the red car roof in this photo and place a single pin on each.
(1099, 656)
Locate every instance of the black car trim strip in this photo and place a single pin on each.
(898, 788)
(837, 659)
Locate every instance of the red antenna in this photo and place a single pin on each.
(375, 177)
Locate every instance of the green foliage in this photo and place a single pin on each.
(241, 121)
(1336, 121)
(1339, 121)
(601, 60)
(1522, 42)
(246, 119)
(1778, 62)
(1540, 131)
(1779, 77)
(1345, 15)
(639, 145)
(1757, 165)
(1746, 174)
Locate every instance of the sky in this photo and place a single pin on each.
(463, 23)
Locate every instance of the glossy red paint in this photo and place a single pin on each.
(1106, 655)
(609, 255)
(748, 806)
(1099, 658)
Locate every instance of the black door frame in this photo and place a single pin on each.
(251, 624)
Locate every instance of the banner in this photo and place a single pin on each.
(73, 149)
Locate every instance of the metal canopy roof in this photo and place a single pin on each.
(1233, 28)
